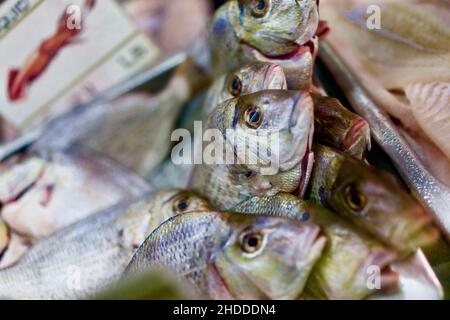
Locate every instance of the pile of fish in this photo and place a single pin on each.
(82, 209)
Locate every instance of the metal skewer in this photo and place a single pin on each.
(428, 190)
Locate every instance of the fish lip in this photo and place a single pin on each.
(306, 172)
(313, 246)
(299, 51)
(352, 138)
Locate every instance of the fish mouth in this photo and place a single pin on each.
(422, 232)
(358, 133)
(299, 51)
(315, 243)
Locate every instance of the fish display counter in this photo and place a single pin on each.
(222, 150)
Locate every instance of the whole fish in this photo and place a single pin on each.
(82, 259)
(161, 21)
(404, 64)
(403, 279)
(282, 24)
(45, 192)
(276, 31)
(233, 256)
(243, 32)
(269, 130)
(168, 203)
(371, 199)
(343, 270)
(334, 124)
(7, 131)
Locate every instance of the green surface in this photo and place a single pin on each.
(146, 286)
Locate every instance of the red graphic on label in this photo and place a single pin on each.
(38, 62)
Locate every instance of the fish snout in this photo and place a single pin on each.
(310, 242)
(301, 129)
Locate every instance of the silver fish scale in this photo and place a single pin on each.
(80, 260)
(186, 245)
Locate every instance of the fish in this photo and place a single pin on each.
(82, 259)
(344, 268)
(372, 199)
(296, 21)
(233, 256)
(405, 65)
(284, 33)
(41, 193)
(337, 127)
(334, 125)
(269, 136)
(399, 279)
(161, 21)
(276, 31)
(88, 257)
(430, 102)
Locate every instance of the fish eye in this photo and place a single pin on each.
(251, 241)
(246, 175)
(253, 117)
(259, 8)
(180, 204)
(356, 200)
(234, 85)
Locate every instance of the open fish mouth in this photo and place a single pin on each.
(299, 51)
(360, 130)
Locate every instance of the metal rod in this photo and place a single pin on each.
(428, 190)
